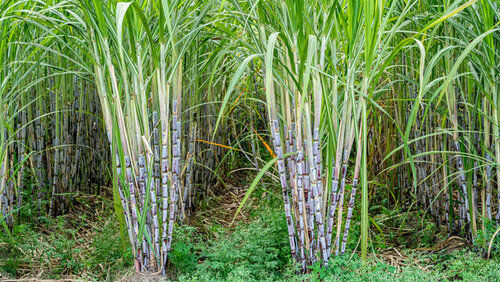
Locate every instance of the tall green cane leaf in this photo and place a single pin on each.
(234, 80)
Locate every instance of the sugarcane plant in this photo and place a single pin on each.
(451, 122)
(49, 109)
(306, 111)
(142, 88)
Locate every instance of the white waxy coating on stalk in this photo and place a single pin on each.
(281, 169)
(317, 209)
(133, 209)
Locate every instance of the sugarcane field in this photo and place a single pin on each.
(249, 140)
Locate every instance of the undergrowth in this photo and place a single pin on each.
(64, 247)
(257, 250)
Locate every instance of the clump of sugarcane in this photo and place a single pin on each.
(456, 162)
(359, 62)
(142, 94)
(64, 160)
(40, 80)
(129, 136)
(310, 217)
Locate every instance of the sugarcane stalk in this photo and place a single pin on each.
(156, 154)
(21, 156)
(496, 134)
(303, 236)
(463, 183)
(284, 187)
(340, 200)
(142, 205)
(176, 140)
(55, 180)
(3, 181)
(189, 170)
(313, 162)
(353, 195)
(334, 189)
(308, 194)
(133, 209)
(164, 96)
(155, 187)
